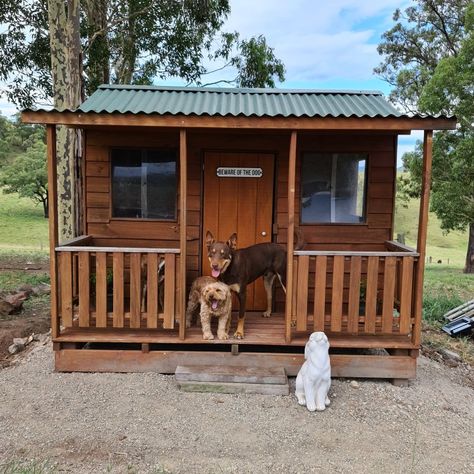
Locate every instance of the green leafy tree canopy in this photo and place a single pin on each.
(27, 175)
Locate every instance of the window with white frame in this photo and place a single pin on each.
(144, 184)
(333, 188)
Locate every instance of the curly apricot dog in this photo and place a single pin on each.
(215, 300)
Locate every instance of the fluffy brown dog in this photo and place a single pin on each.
(215, 300)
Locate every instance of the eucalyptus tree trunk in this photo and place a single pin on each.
(98, 47)
(66, 67)
(469, 267)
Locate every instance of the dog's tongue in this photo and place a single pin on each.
(215, 273)
(214, 305)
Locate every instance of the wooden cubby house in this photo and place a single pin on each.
(321, 161)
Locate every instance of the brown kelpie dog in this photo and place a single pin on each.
(239, 268)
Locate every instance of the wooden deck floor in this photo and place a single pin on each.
(258, 332)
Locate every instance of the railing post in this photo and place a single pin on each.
(183, 174)
(53, 226)
(291, 233)
(422, 232)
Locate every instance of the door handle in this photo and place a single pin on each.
(264, 233)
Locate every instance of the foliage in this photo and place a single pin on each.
(430, 61)
(423, 34)
(133, 41)
(257, 65)
(27, 175)
(436, 306)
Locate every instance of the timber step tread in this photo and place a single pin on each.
(225, 379)
(210, 373)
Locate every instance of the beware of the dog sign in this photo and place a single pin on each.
(227, 172)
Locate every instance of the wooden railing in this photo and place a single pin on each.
(354, 292)
(116, 287)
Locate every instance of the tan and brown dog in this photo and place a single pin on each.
(215, 300)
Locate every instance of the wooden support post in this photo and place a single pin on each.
(422, 233)
(183, 176)
(291, 234)
(53, 226)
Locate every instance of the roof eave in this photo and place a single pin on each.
(91, 119)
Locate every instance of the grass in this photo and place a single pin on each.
(12, 280)
(27, 467)
(22, 226)
(450, 247)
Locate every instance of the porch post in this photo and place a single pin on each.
(183, 173)
(53, 225)
(422, 231)
(291, 234)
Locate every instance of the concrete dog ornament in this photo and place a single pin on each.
(314, 378)
(239, 268)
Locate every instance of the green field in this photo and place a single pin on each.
(22, 226)
(450, 247)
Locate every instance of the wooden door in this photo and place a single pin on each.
(239, 204)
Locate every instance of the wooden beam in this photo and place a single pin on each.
(422, 232)
(53, 226)
(183, 176)
(79, 119)
(291, 234)
(342, 365)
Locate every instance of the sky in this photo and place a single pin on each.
(329, 44)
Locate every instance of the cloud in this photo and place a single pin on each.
(318, 40)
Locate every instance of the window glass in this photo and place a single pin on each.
(333, 188)
(144, 184)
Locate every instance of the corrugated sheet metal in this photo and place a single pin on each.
(237, 102)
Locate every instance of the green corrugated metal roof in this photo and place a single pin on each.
(237, 102)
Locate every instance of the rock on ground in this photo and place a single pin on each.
(141, 423)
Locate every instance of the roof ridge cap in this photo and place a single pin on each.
(237, 90)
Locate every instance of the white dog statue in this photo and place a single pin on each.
(314, 378)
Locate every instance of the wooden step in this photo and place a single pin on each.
(225, 379)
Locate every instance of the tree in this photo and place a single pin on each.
(435, 58)
(118, 41)
(422, 36)
(27, 175)
(127, 41)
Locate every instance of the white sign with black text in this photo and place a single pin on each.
(227, 172)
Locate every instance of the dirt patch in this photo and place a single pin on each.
(34, 318)
(124, 423)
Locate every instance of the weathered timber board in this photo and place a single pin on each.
(229, 387)
(248, 375)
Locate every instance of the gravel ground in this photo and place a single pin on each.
(141, 423)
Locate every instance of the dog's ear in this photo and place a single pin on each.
(209, 239)
(232, 242)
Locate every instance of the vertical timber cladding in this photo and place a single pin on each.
(369, 236)
(381, 175)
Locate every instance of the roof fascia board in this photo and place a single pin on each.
(77, 119)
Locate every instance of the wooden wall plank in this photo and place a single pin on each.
(65, 273)
(354, 295)
(152, 290)
(406, 295)
(170, 269)
(302, 293)
(320, 293)
(84, 289)
(337, 293)
(135, 290)
(101, 289)
(118, 297)
(388, 294)
(371, 294)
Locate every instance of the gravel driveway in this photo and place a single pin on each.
(141, 423)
